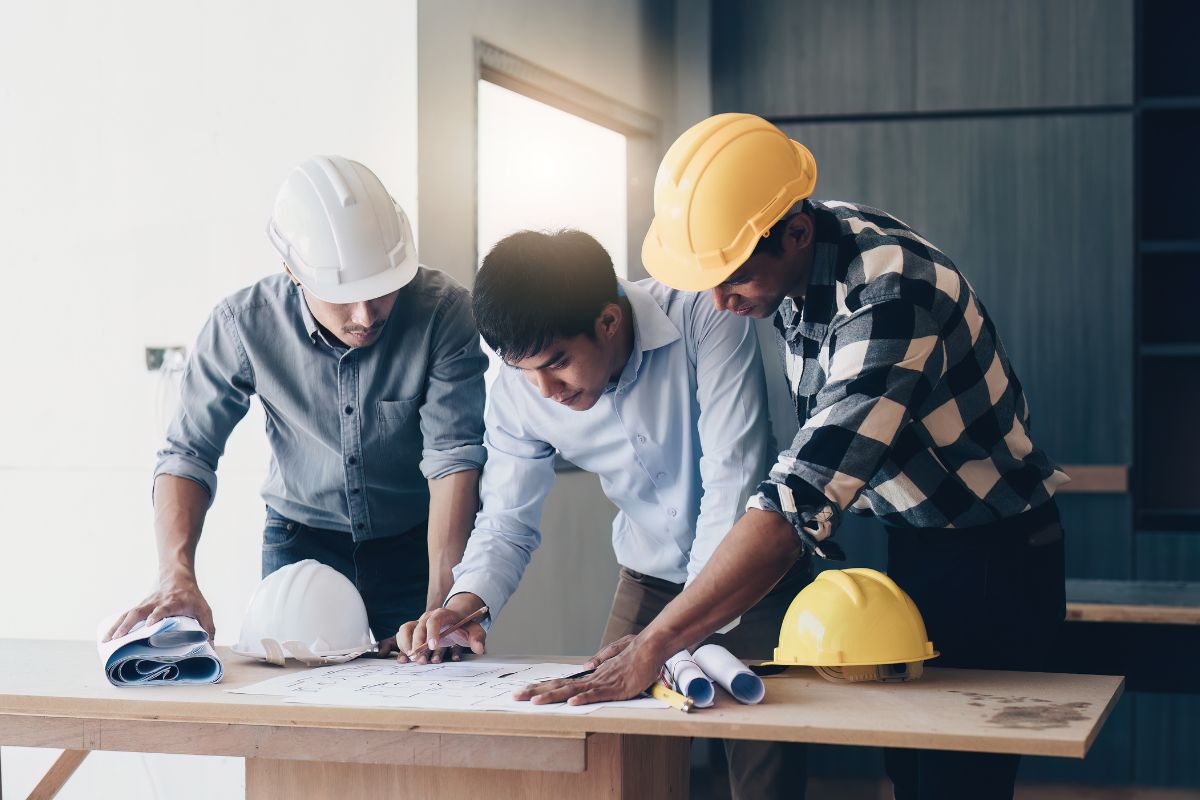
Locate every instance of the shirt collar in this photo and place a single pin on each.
(312, 326)
(652, 328)
(811, 315)
(825, 248)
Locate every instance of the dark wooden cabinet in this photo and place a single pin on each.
(1052, 149)
(788, 59)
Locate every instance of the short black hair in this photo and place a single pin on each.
(535, 287)
(772, 243)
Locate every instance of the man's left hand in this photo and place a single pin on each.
(621, 677)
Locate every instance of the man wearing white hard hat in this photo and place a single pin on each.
(370, 374)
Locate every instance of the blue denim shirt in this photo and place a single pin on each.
(354, 432)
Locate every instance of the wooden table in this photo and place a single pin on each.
(1148, 631)
(53, 694)
(1148, 602)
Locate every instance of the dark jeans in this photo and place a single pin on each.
(391, 573)
(992, 598)
(757, 770)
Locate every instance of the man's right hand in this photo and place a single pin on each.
(177, 596)
(427, 629)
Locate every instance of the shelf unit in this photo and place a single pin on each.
(1167, 287)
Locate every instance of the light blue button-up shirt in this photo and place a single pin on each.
(355, 433)
(679, 443)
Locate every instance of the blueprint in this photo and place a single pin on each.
(172, 650)
(471, 685)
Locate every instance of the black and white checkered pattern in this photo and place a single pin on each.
(908, 405)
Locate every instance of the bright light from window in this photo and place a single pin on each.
(541, 168)
(544, 169)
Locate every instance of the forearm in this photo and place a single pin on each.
(180, 505)
(751, 559)
(453, 503)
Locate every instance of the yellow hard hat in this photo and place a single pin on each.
(849, 618)
(719, 189)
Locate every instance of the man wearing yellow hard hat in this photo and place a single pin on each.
(909, 410)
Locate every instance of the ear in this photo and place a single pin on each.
(609, 321)
(799, 232)
(290, 274)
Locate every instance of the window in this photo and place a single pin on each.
(541, 168)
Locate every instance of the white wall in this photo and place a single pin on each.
(141, 144)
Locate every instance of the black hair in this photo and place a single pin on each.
(772, 243)
(535, 287)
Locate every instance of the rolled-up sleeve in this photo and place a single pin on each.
(452, 413)
(214, 395)
(733, 425)
(884, 361)
(519, 475)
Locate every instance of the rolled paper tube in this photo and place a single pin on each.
(688, 679)
(730, 673)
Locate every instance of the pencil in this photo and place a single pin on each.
(469, 618)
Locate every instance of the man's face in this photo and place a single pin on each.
(573, 372)
(756, 289)
(354, 324)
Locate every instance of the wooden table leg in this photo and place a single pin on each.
(58, 774)
(617, 767)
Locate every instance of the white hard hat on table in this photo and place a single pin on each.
(309, 611)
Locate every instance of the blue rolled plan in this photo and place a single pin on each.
(172, 650)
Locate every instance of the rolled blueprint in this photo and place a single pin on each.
(172, 650)
(731, 674)
(688, 679)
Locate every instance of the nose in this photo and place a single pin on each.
(362, 314)
(546, 386)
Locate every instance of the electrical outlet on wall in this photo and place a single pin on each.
(170, 357)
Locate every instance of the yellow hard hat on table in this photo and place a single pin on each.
(719, 189)
(849, 624)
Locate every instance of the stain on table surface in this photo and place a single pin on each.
(1026, 713)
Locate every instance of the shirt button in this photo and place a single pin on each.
(354, 491)
(660, 476)
(641, 439)
(349, 409)
(672, 512)
(352, 460)
(360, 526)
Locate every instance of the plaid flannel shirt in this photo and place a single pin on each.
(909, 408)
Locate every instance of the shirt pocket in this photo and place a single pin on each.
(399, 426)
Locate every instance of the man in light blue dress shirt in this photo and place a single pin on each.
(370, 376)
(652, 389)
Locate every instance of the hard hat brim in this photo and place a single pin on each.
(680, 272)
(924, 657)
(370, 288)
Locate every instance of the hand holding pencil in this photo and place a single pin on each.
(443, 632)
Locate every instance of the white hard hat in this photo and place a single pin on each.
(341, 233)
(311, 611)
